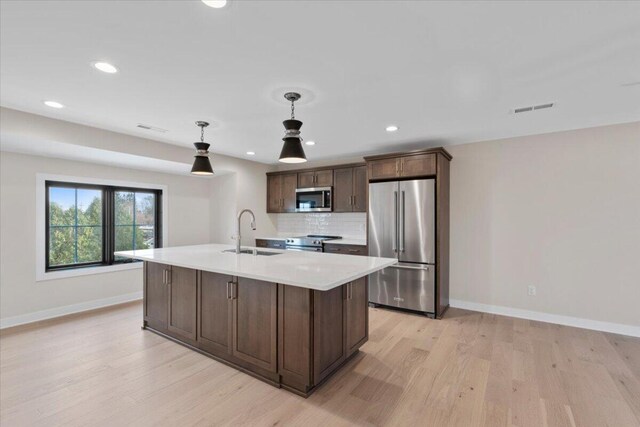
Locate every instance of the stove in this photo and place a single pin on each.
(311, 243)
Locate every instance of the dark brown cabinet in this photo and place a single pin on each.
(418, 165)
(315, 178)
(403, 166)
(384, 168)
(357, 315)
(182, 289)
(270, 243)
(281, 193)
(156, 295)
(350, 189)
(255, 322)
(336, 248)
(289, 336)
(215, 313)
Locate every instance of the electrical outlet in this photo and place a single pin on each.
(532, 291)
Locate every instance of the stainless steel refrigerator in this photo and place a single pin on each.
(402, 225)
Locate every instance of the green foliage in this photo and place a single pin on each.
(70, 243)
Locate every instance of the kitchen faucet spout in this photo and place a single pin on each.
(252, 225)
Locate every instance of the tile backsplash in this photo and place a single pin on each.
(351, 225)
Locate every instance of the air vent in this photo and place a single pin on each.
(533, 108)
(153, 128)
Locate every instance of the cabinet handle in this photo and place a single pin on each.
(164, 276)
(354, 250)
(168, 277)
(229, 290)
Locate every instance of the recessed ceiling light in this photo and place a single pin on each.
(310, 143)
(391, 128)
(251, 153)
(217, 4)
(53, 104)
(105, 67)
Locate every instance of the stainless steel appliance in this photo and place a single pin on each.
(316, 199)
(402, 225)
(312, 242)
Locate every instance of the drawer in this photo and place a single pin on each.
(268, 243)
(345, 249)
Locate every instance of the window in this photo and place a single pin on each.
(86, 224)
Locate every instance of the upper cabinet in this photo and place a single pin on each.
(350, 189)
(312, 178)
(405, 165)
(281, 193)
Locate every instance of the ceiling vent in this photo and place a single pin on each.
(533, 108)
(153, 128)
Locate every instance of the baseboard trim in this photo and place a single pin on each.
(68, 309)
(596, 325)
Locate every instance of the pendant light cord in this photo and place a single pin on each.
(292, 111)
(201, 133)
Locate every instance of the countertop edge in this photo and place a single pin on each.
(271, 279)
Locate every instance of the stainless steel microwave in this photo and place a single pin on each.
(316, 199)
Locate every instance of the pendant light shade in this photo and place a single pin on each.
(201, 163)
(292, 151)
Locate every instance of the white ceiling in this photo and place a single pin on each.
(444, 72)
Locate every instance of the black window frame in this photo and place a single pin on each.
(108, 222)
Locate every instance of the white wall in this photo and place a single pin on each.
(559, 211)
(201, 210)
(20, 294)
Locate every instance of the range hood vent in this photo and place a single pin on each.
(534, 108)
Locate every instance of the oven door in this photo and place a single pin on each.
(304, 248)
(313, 199)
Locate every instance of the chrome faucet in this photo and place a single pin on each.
(253, 226)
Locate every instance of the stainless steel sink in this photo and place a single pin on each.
(251, 252)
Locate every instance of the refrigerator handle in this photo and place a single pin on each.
(395, 221)
(402, 223)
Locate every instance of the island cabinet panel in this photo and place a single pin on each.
(357, 314)
(329, 323)
(182, 301)
(255, 322)
(215, 313)
(156, 295)
(294, 336)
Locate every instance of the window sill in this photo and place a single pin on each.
(86, 271)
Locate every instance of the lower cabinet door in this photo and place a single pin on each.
(156, 295)
(329, 318)
(255, 322)
(357, 314)
(214, 313)
(182, 301)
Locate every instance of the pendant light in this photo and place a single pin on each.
(201, 163)
(292, 151)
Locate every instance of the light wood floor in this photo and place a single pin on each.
(468, 369)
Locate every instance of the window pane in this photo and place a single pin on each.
(62, 206)
(145, 237)
(124, 207)
(62, 246)
(89, 244)
(89, 207)
(145, 209)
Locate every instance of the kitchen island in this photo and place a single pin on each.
(289, 318)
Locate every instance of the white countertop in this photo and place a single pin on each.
(312, 270)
